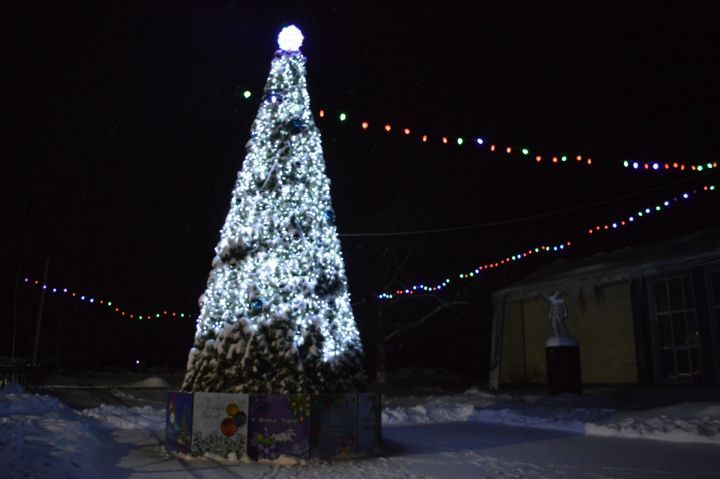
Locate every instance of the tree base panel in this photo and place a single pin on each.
(267, 426)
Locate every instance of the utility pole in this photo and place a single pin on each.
(40, 312)
(380, 352)
(15, 302)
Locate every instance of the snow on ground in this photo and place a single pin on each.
(434, 409)
(685, 422)
(41, 437)
(121, 417)
(696, 422)
(151, 382)
(450, 435)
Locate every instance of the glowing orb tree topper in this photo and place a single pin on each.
(290, 39)
(275, 316)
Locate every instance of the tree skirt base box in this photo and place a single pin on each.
(268, 426)
(369, 422)
(334, 425)
(179, 422)
(220, 423)
(279, 425)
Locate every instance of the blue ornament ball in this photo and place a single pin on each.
(273, 98)
(330, 216)
(297, 125)
(257, 305)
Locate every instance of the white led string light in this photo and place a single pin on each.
(278, 263)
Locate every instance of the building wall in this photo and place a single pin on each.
(599, 319)
(512, 368)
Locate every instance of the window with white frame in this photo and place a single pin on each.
(677, 331)
(715, 293)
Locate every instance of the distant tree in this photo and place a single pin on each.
(413, 206)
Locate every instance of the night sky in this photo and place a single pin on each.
(124, 127)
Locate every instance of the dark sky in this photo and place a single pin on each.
(123, 131)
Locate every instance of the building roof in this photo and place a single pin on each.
(622, 264)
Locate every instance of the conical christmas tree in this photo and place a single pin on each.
(276, 314)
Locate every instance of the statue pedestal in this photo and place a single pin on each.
(563, 366)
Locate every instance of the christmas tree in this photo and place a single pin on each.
(276, 314)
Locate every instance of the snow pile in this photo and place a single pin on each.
(14, 401)
(119, 417)
(561, 419)
(434, 411)
(686, 422)
(438, 409)
(40, 437)
(153, 382)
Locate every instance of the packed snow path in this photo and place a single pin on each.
(445, 450)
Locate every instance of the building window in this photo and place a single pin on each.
(677, 330)
(715, 301)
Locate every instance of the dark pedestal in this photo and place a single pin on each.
(563, 368)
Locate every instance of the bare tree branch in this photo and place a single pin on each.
(417, 323)
(442, 305)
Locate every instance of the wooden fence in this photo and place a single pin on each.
(22, 375)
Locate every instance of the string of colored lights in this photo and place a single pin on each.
(667, 166)
(114, 308)
(505, 149)
(422, 287)
(644, 212)
(594, 230)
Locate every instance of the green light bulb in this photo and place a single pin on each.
(525, 151)
(563, 158)
(246, 94)
(343, 117)
(626, 163)
(460, 141)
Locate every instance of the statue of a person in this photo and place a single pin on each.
(557, 314)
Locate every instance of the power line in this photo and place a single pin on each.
(515, 220)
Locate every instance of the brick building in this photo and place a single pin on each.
(643, 315)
